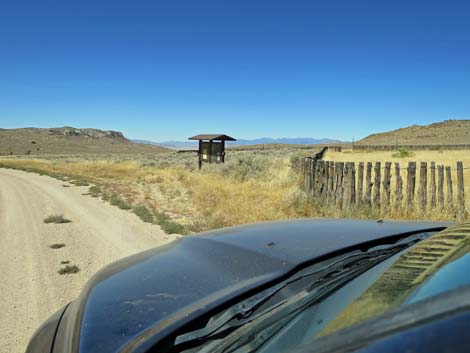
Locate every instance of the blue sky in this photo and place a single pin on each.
(165, 70)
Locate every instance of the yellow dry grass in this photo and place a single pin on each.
(253, 186)
(201, 199)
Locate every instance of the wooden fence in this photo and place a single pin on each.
(345, 185)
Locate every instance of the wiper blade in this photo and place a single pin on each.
(337, 271)
(255, 333)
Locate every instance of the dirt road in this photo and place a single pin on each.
(30, 287)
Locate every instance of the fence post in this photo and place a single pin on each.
(336, 183)
(331, 176)
(353, 182)
(324, 178)
(306, 175)
(318, 178)
(376, 198)
(433, 185)
(360, 182)
(423, 186)
(386, 187)
(339, 185)
(398, 188)
(346, 186)
(450, 193)
(410, 185)
(440, 187)
(461, 191)
(367, 197)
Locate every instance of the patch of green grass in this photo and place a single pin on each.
(80, 183)
(57, 245)
(95, 191)
(143, 213)
(56, 219)
(69, 269)
(170, 227)
(115, 200)
(161, 217)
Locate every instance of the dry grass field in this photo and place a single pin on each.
(252, 186)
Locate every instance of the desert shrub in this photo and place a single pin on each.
(403, 152)
(143, 213)
(68, 269)
(170, 227)
(115, 200)
(94, 190)
(161, 217)
(80, 183)
(57, 245)
(56, 219)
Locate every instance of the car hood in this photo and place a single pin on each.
(158, 291)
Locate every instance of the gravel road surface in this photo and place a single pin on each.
(30, 287)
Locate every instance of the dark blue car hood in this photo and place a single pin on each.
(158, 291)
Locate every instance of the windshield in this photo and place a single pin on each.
(368, 284)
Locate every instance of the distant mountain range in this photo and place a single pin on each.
(242, 142)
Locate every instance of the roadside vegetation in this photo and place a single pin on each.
(252, 186)
(403, 153)
(68, 269)
(57, 245)
(58, 219)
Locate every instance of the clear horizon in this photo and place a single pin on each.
(166, 71)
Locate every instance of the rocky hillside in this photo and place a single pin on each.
(448, 132)
(68, 140)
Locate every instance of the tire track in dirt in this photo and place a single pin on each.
(30, 288)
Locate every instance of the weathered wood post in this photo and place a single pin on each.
(450, 192)
(312, 175)
(386, 187)
(398, 188)
(319, 176)
(423, 186)
(326, 179)
(433, 186)
(346, 186)
(339, 185)
(440, 187)
(331, 176)
(367, 196)
(353, 182)
(410, 185)
(306, 174)
(461, 192)
(376, 197)
(336, 183)
(360, 182)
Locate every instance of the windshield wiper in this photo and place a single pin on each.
(273, 306)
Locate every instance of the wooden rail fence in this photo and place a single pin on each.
(382, 188)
